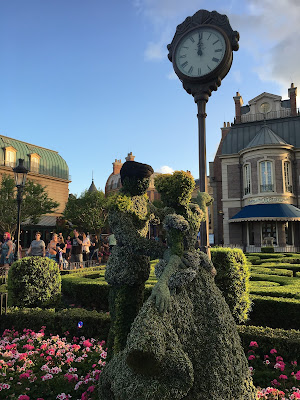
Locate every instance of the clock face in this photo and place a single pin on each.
(200, 52)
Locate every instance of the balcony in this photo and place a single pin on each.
(267, 188)
(282, 113)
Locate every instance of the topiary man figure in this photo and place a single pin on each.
(128, 266)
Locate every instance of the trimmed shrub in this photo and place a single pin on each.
(233, 280)
(275, 312)
(34, 282)
(270, 271)
(277, 286)
(286, 342)
(267, 249)
(94, 324)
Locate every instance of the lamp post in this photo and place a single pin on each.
(20, 173)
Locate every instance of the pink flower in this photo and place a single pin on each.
(252, 357)
(273, 351)
(283, 377)
(91, 389)
(275, 382)
(23, 397)
(87, 343)
(253, 344)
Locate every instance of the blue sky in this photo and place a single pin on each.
(91, 79)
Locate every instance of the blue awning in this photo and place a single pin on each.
(267, 212)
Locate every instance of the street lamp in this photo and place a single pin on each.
(20, 173)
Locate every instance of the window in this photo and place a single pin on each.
(10, 157)
(251, 233)
(287, 177)
(289, 233)
(34, 162)
(268, 230)
(247, 179)
(266, 176)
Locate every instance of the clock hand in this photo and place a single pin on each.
(199, 52)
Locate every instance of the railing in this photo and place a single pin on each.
(257, 249)
(77, 265)
(247, 190)
(267, 188)
(282, 113)
(3, 296)
(289, 188)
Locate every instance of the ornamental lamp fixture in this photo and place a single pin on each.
(20, 173)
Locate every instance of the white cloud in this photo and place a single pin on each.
(165, 170)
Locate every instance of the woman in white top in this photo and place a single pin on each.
(85, 247)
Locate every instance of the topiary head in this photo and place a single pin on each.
(135, 178)
(176, 189)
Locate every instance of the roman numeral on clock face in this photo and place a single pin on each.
(215, 59)
(191, 70)
(184, 64)
(192, 39)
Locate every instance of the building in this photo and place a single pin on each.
(255, 175)
(47, 168)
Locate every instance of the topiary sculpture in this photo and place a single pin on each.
(128, 266)
(34, 282)
(183, 343)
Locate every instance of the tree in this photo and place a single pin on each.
(35, 204)
(87, 212)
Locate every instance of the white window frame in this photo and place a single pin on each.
(10, 157)
(287, 177)
(34, 162)
(247, 179)
(261, 183)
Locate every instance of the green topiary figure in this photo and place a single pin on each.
(183, 343)
(128, 266)
(34, 282)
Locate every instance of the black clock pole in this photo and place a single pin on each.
(204, 228)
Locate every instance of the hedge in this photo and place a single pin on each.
(275, 312)
(271, 271)
(96, 325)
(283, 286)
(233, 280)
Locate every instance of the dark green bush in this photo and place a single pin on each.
(94, 324)
(286, 342)
(263, 256)
(85, 291)
(233, 280)
(34, 282)
(275, 312)
(267, 249)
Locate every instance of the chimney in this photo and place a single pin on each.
(238, 100)
(292, 95)
(130, 157)
(117, 165)
(224, 130)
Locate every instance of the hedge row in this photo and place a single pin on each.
(96, 325)
(274, 285)
(271, 271)
(275, 312)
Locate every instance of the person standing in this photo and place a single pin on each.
(52, 247)
(76, 251)
(7, 253)
(85, 247)
(68, 247)
(37, 246)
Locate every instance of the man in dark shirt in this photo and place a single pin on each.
(76, 251)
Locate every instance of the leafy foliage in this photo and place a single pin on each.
(36, 203)
(87, 212)
(34, 282)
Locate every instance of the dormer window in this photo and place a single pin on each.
(34, 162)
(10, 156)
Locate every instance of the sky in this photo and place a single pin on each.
(91, 78)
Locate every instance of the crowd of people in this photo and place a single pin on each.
(76, 247)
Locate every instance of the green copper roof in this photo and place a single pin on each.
(265, 136)
(51, 163)
(240, 135)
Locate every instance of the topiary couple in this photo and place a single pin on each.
(182, 343)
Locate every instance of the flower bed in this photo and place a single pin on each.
(282, 375)
(33, 367)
